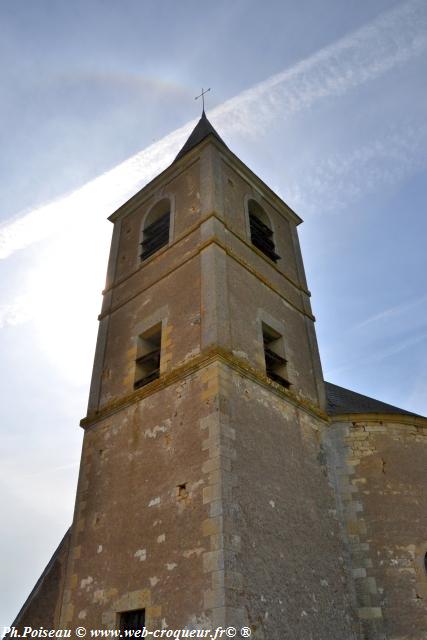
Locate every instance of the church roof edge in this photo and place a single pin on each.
(65, 539)
(341, 401)
(201, 132)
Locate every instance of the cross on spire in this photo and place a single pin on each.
(202, 96)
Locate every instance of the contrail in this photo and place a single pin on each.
(365, 54)
(391, 312)
(387, 42)
(340, 178)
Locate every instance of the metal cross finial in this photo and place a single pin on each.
(202, 96)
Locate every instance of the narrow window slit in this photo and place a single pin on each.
(147, 363)
(275, 361)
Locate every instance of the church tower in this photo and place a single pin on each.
(223, 483)
(201, 502)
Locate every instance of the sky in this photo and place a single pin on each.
(325, 101)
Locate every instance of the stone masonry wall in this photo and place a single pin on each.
(290, 557)
(379, 470)
(146, 532)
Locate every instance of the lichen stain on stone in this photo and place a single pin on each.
(152, 433)
(410, 570)
(141, 554)
(193, 552)
(410, 548)
(100, 597)
(241, 354)
(196, 485)
(199, 622)
(191, 354)
(86, 583)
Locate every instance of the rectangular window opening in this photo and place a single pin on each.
(275, 361)
(147, 364)
(132, 620)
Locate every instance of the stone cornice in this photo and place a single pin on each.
(191, 230)
(187, 369)
(197, 251)
(394, 418)
(178, 167)
(144, 194)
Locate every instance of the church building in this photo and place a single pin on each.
(223, 482)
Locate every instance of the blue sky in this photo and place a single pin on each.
(325, 101)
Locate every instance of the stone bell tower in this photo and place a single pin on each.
(201, 501)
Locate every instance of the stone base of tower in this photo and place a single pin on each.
(206, 503)
(284, 573)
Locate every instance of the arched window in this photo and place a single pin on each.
(155, 233)
(261, 232)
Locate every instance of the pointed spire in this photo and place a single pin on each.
(201, 131)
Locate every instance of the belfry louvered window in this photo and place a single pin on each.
(261, 233)
(275, 361)
(156, 229)
(147, 363)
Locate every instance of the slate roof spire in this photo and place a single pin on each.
(201, 131)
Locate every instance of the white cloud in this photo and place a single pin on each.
(333, 182)
(95, 200)
(78, 219)
(16, 312)
(389, 41)
(378, 355)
